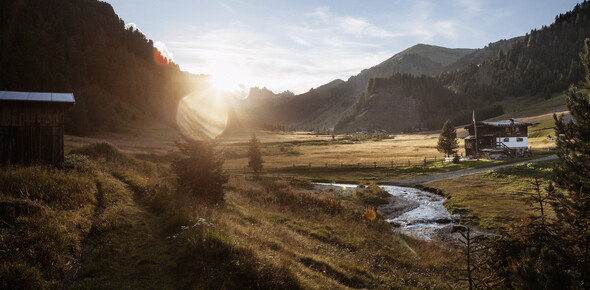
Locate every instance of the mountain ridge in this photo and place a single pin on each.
(538, 64)
(338, 97)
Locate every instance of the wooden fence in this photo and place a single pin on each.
(376, 164)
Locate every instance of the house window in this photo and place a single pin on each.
(506, 140)
(516, 129)
(518, 139)
(507, 129)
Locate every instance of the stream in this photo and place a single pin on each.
(411, 211)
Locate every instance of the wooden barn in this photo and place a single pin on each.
(32, 127)
(497, 140)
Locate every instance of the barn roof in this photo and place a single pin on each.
(37, 97)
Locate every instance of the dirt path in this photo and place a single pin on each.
(88, 244)
(428, 178)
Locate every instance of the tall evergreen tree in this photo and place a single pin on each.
(572, 174)
(200, 173)
(254, 156)
(447, 141)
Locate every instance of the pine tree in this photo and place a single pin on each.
(572, 175)
(254, 156)
(447, 141)
(200, 173)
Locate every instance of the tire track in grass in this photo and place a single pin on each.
(89, 242)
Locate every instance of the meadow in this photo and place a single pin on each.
(111, 205)
(494, 199)
(114, 224)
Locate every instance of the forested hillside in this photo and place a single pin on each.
(536, 65)
(324, 106)
(83, 47)
(542, 62)
(405, 102)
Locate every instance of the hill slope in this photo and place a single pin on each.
(535, 66)
(325, 105)
(83, 47)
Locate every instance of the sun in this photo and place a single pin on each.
(227, 80)
(223, 82)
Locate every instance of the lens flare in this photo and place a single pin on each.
(202, 115)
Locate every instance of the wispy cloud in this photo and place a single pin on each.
(257, 59)
(348, 24)
(299, 44)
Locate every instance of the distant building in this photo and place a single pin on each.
(32, 127)
(497, 139)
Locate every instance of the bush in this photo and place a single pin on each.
(371, 195)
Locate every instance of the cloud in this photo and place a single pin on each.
(348, 24)
(257, 59)
(311, 48)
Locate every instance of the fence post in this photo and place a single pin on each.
(326, 164)
(375, 164)
(358, 165)
(408, 162)
(434, 158)
(424, 160)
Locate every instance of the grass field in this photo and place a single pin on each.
(392, 174)
(283, 149)
(113, 219)
(495, 198)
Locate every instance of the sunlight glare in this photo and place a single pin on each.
(226, 79)
(203, 115)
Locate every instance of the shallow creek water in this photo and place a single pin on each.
(413, 212)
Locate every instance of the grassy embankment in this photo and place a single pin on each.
(495, 198)
(115, 215)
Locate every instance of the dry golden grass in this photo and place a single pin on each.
(326, 250)
(283, 149)
(401, 148)
(495, 198)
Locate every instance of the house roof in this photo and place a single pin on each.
(37, 97)
(506, 124)
(500, 124)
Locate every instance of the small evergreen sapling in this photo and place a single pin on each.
(254, 156)
(447, 141)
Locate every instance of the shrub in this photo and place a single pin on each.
(371, 195)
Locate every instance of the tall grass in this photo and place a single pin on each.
(40, 241)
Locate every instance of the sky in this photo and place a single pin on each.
(297, 45)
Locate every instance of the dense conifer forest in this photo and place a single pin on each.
(83, 47)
